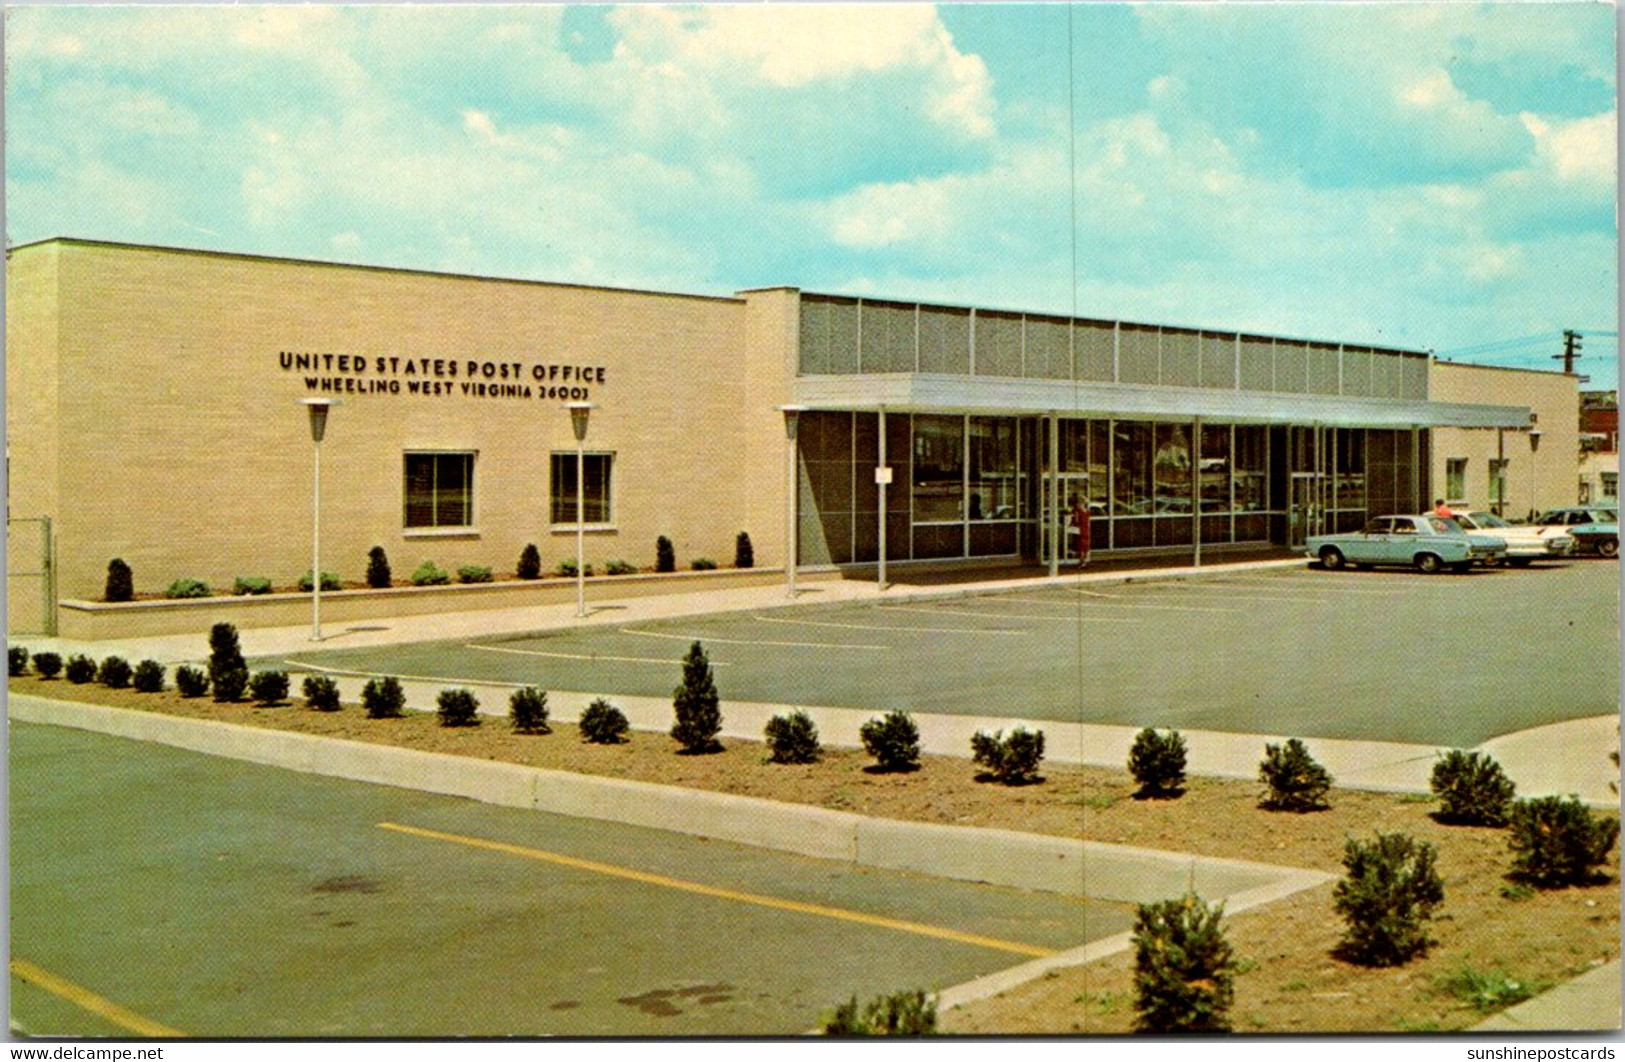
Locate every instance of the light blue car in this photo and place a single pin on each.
(1427, 543)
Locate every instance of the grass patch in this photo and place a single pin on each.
(1484, 990)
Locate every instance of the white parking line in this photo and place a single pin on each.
(877, 627)
(585, 656)
(708, 640)
(1072, 618)
(1326, 579)
(1240, 594)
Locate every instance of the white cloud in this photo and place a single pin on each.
(1582, 151)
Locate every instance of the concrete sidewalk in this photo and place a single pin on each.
(1563, 758)
(1589, 1003)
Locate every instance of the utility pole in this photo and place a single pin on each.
(1571, 350)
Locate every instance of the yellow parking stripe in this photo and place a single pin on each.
(725, 894)
(88, 1000)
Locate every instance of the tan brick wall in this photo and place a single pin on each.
(1537, 477)
(188, 455)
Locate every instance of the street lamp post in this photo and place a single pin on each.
(1534, 470)
(579, 412)
(792, 417)
(318, 408)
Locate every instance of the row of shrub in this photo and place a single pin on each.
(120, 585)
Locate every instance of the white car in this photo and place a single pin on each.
(1524, 544)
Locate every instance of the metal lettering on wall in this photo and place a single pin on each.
(390, 374)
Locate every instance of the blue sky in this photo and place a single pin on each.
(1434, 175)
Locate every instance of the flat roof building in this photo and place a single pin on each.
(152, 416)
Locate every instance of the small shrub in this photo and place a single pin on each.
(1296, 782)
(458, 707)
(430, 574)
(567, 568)
(530, 562)
(1390, 889)
(898, 1014)
(619, 567)
(49, 665)
(228, 672)
(703, 564)
(792, 739)
(17, 660)
(383, 698)
(81, 669)
(329, 582)
(1558, 842)
(1011, 760)
(181, 589)
(269, 687)
(120, 581)
(1184, 969)
(744, 552)
(665, 556)
(602, 724)
(697, 705)
(321, 693)
(250, 584)
(1472, 789)
(893, 740)
(148, 677)
(379, 577)
(229, 686)
(474, 573)
(114, 673)
(191, 681)
(527, 710)
(1157, 762)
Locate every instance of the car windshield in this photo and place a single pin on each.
(1488, 520)
(1443, 526)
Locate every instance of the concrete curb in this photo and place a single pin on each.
(1589, 1003)
(1001, 857)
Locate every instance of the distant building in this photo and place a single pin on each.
(1599, 446)
(1513, 472)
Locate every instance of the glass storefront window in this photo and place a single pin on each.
(939, 469)
(1350, 468)
(1213, 483)
(1132, 474)
(1099, 456)
(1172, 469)
(992, 468)
(1251, 467)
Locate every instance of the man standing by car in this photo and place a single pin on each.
(1441, 509)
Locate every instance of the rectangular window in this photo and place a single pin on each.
(939, 469)
(1214, 469)
(439, 490)
(1252, 467)
(1455, 479)
(992, 468)
(595, 500)
(1610, 484)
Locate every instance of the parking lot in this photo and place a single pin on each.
(159, 892)
(1385, 655)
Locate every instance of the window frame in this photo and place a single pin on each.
(432, 530)
(612, 499)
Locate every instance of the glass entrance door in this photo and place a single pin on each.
(1305, 515)
(1068, 485)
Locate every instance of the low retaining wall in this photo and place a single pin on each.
(100, 620)
(1001, 857)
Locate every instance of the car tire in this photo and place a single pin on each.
(1331, 559)
(1428, 563)
(1608, 547)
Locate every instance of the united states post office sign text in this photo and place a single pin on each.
(392, 374)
